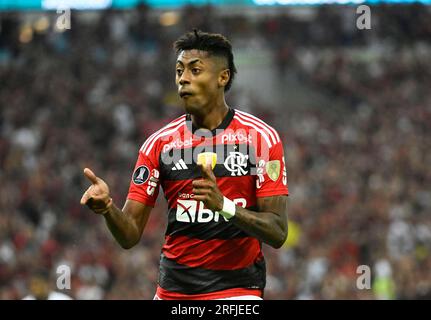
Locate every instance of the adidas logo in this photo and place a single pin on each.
(180, 165)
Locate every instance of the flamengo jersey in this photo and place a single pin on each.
(205, 255)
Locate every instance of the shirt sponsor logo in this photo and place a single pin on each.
(185, 195)
(177, 144)
(236, 137)
(154, 180)
(260, 173)
(191, 211)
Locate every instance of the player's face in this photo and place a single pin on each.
(198, 80)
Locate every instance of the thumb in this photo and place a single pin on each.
(90, 175)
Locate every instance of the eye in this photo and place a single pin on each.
(196, 70)
(179, 71)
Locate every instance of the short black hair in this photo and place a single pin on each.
(214, 43)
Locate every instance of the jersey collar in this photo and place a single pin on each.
(223, 125)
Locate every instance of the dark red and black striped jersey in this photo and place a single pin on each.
(204, 255)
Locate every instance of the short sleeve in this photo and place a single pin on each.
(145, 181)
(271, 177)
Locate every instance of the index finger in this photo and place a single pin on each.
(207, 171)
(90, 175)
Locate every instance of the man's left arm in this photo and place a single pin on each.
(268, 224)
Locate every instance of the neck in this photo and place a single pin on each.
(212, 118)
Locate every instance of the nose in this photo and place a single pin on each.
(184, 79)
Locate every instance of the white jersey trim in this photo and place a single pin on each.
(249, 124)
(272, 132)
(155, 134)
(160, 135)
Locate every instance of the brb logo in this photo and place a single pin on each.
(194, 211)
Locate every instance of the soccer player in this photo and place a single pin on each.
(223, 174)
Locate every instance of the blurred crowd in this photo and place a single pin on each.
(358, 165)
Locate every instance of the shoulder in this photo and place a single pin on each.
(257, 125)
(172, 128)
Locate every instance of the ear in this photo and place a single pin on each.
(224, 77)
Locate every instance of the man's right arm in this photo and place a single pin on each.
(127, 225)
